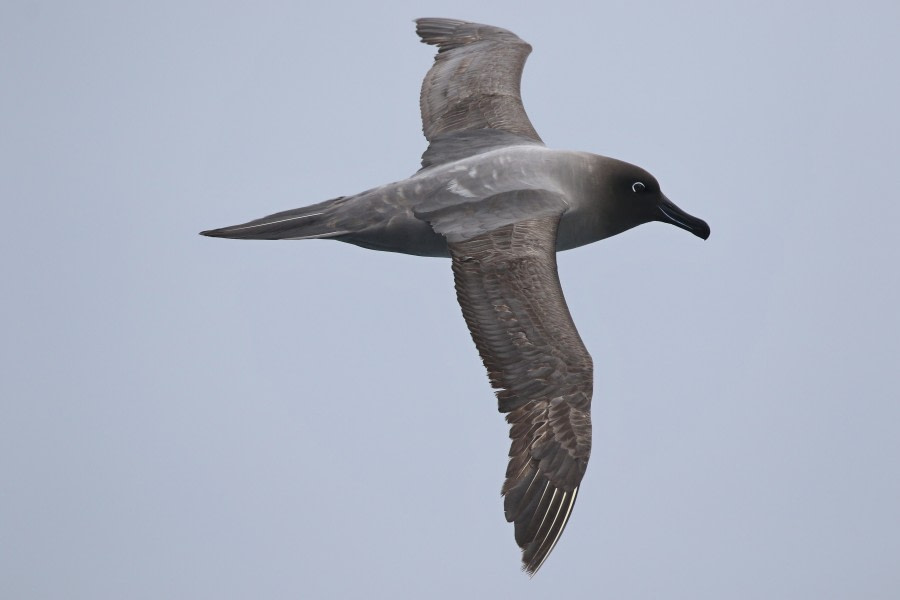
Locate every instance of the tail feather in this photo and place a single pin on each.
(310, 222)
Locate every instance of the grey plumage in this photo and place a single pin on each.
(474, 82)
(457, 145)
(500, 204)
(508, 287)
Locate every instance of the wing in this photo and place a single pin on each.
(449, 147)
(474, 82)
(508, 287)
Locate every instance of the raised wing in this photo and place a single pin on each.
(474, 82)
(508, 287)
(462, 144)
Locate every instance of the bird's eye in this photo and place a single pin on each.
(637, 186)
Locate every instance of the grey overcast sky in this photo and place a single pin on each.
(185, 417)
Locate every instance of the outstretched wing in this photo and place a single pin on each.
(474, 82)
(508, 287)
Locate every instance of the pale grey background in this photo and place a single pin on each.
(185, 417)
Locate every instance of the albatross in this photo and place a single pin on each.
(500, 204)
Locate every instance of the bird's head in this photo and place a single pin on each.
(634, 196)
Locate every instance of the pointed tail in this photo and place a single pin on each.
(310, 222)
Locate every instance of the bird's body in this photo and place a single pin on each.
(385, 217)
(497, 201)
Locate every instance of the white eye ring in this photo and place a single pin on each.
(637, 186)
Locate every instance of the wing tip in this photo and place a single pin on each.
(540, 514)
(536, 552)
(439, 32)
(448, 34)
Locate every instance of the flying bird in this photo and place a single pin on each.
(500, 204)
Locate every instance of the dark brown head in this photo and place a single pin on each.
(635, 197)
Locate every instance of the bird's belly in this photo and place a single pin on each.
(413, 236)
(407, 236)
